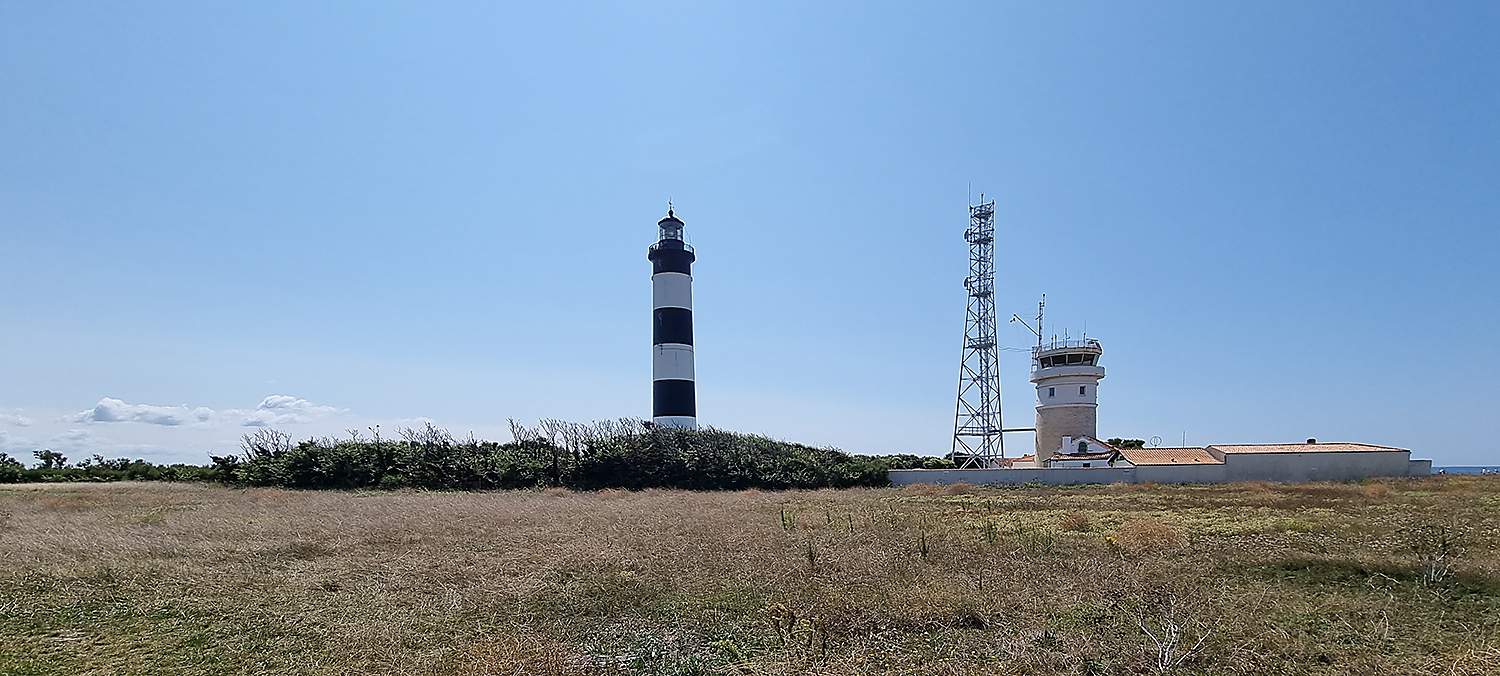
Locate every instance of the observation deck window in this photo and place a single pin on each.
(1067, 360)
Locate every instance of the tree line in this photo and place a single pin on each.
(625, 453)
(53, 466)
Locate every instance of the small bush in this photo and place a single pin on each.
(11, 470)
(1141, 535)
(1035, 540)
(923, 490)
(1078, 522)
(1437, 548)
(907, 461)
(960, 488)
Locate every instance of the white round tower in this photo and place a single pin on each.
(1067, 376)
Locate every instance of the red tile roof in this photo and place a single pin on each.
(1303, 448)
(1169, 456)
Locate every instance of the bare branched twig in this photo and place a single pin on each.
(1168, 636)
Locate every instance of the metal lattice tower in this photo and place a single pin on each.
(977, 437)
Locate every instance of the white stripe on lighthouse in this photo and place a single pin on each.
(672, 361)
(675, 422)
(672, 289)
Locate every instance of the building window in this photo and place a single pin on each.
(1080, 391)
(1051, 391)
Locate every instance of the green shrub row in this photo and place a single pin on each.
(633, 457)
(648, 458)
(52, 466)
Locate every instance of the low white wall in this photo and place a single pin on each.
(1055, 476)
(1286, 467)
(1316, 466)
(1050, 475)
(1181, 474)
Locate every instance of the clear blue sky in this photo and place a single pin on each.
(1279, 217)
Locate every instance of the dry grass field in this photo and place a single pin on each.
(1386, 577)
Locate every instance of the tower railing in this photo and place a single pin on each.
(1087, 343)
(678, 245)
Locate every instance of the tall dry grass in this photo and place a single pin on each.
(168, 578)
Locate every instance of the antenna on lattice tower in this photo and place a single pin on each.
(978, 440)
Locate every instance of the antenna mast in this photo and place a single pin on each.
(977, 437)
(1040, 306)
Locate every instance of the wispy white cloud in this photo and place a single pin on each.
(19, 448)
(282, 409)
(74, 438)
(183, 433)
(15, 418)
(277, 409)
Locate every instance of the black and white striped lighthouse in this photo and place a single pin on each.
(673, 400)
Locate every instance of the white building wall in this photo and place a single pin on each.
(1315, 466)
(1069, 390)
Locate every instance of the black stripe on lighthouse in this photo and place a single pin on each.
(671, 398)
(672, 325)
(672, 260)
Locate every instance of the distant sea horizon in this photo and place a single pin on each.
(1467, 469)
